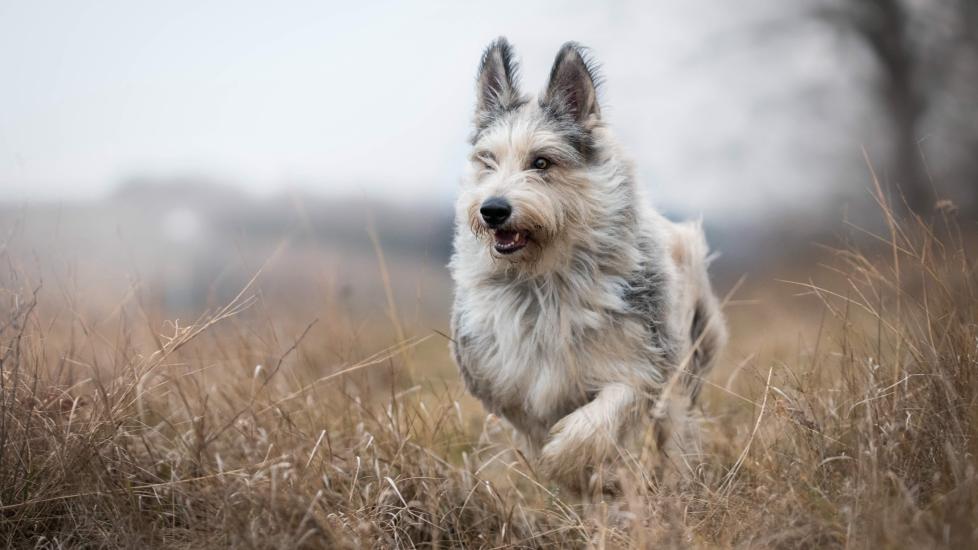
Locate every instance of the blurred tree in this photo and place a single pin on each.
(926, 53)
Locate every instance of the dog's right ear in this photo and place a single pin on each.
(497, 88)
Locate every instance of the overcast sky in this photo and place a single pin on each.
(725, 106)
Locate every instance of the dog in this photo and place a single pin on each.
(576, 304)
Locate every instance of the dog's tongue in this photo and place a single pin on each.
(507, 237)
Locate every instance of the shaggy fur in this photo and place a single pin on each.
(572, 337)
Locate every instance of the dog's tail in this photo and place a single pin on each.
(701, 312)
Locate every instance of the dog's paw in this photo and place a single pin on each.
(576, 451)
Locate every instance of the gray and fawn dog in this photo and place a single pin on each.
(576, 304)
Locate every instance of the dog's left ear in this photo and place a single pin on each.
(573, 86)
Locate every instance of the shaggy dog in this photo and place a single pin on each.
(576, 304)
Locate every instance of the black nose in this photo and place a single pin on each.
(495, 211)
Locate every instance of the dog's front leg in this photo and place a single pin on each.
(588, 437)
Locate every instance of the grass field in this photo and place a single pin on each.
(845, 414)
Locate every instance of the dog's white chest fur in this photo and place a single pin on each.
(532, 358)
(533, 353)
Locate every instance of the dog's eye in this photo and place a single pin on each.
(486, 160)
(541, 163)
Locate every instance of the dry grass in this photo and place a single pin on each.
(130, 431)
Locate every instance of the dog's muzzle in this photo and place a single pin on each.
(496, 211)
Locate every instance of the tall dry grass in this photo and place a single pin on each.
(243, 429)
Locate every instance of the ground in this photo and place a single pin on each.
(844, 414)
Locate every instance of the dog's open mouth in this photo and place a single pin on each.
(508, 241)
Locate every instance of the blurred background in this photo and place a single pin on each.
(174, 149)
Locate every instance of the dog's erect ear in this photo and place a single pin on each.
(497, 89)
(573, 87)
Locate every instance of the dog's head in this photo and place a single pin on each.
(527, 194)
